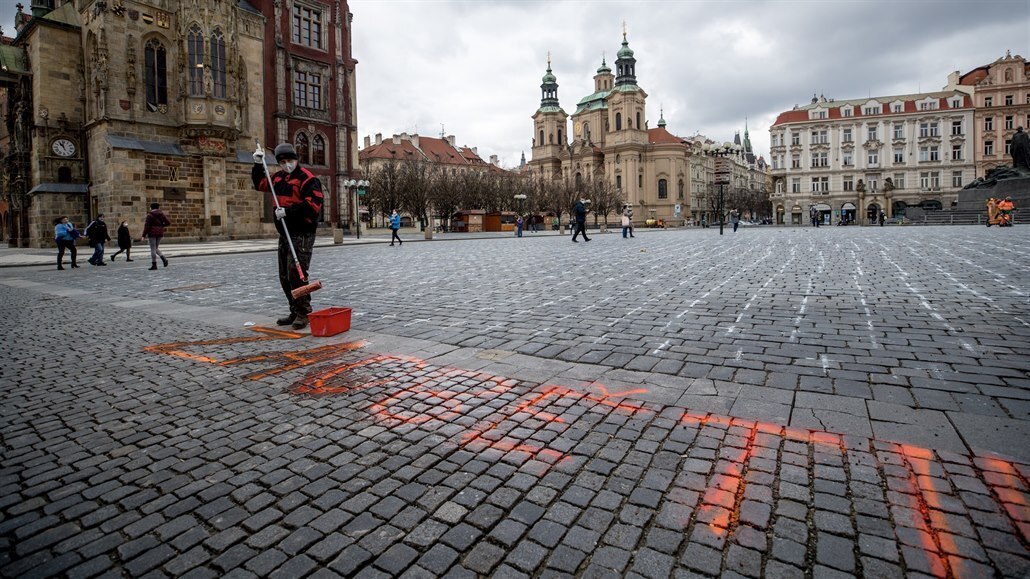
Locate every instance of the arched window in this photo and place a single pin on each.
(541, 142)
(663, 189)
(586, 132)
(195, 48)
(682, 190)
(639, 126)
(618, 121)
(218, 63)
(318, 150)
(301, 145)
(155, 75)
(559, 137)
(618, 182)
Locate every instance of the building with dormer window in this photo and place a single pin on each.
(1002, 99)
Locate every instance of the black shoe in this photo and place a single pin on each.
(91, 262)
(574, 241)
(153, 266)
(60, 267)
(300, 323)
(101, 263)
(391, 245)
(126, 259)
(585, 239)
(75, 265)
(287, 320)
(164, 261)
(112, 258)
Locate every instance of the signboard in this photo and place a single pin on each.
(677, 209)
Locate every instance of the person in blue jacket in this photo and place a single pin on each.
(65, 234)
(395, 225)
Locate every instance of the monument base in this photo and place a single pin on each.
(976, 199)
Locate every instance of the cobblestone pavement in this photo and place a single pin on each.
(146, 432)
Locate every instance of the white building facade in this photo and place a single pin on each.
(853, 159)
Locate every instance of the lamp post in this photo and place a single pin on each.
(359, 187)
(520, 200)
(727, 149)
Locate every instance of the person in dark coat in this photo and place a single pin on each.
(579, 213)
(98, 236)
(153, 231)
(124, 242)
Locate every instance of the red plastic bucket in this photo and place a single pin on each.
(329, 322)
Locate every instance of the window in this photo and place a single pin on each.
(847, 159)
(929, 153)
(935, 180)
(929, 106)
(795, 185)
(899, 180)
(924, 129)
(989, 124)
(795, 161)
(871, 180)
(989, 148)
(899, 156)
(988, 101)
(318, 150)
(1008, 100)
(218, 63)
(307, 27)
(541, 138)
(618, 121)
(847, 112)
(559, 137)
(640, 181)
(195, 47)
(874, 158)
(618, 182)
(682, 190)
(957, 103)
(663, 189)
(924, 180)
(871, 111)
(795, 138)
(956, 152)
(1010, 122)
(956, 178)
(872, 134)
(639, 126)
(156, 76)
(819, 137)
(956, 127)
(301, 145)
(307, 89)
(849, 183)
(899, 131)
(899, 108)
(846, 135)
(818, 114)
(820, 159)
(1008, 147)
(935, 129)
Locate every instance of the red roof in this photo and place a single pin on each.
(661, 136)
(801, 115)
(405, 151)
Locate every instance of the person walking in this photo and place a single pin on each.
(153, 231)
(627, 221)
(98, 236)
(65, 235)
(395, 226)
(579, 212)
(299, 194)
(883, 217)
(124, 242)
(735, 219)
(518, 226)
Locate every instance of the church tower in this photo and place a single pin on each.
(549, 125)
(626, 102)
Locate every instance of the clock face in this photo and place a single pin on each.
(63, 147)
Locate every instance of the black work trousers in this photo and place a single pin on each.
(288, 276)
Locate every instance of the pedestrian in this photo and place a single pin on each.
(395, 226)
(555, 224)
(579, 211)
(153, 231)
(704, 222)
(124, 242)
(627, 221)
(65, 235)
(883, 217)
(735, 219)
(98, 236)
(299, 196)
(518, 226)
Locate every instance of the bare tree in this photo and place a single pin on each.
(416, 177)
(605, 199)
(385, 188)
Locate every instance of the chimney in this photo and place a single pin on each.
(494, 161)
(475, 150)
(450, 139)
(379, 138)
(414, 140)
(397, 139)
(368, 141)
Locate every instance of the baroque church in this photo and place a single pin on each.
(653, 169)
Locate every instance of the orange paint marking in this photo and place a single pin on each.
(177, 349)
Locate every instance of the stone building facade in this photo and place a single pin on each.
(1001, 95)
(851, 159)
(310, 93)
(653, 169)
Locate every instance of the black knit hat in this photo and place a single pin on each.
(285, 151)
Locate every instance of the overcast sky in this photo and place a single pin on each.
(475, 66)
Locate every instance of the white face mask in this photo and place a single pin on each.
(288, 166)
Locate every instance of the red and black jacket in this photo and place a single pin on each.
(299, 193)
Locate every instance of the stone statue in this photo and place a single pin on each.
(860, 187)
(1021, 151)
(888, 185)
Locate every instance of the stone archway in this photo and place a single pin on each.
(872, 212)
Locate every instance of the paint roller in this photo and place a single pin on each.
(307, 288)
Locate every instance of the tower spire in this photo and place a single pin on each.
(625, 65)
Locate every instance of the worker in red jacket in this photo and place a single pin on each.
(300, 198)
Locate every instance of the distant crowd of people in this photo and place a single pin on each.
(66, 236)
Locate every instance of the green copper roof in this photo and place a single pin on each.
(593, 102)
(625, 51)
(549, 109)
(604, 68)
(550, 78)
(12, 60)
(66, 14)
(626, 88)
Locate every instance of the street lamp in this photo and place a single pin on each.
(359, 187)
(721, 179)
(520, 200)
